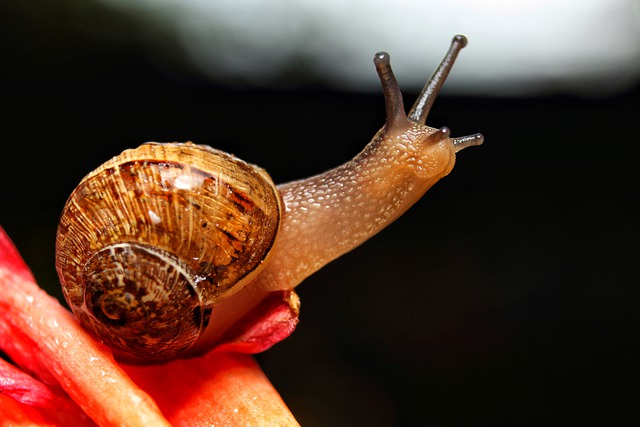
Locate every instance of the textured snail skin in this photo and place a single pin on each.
(316, 219)
(330, 214)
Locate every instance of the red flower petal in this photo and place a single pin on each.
(58, 409)
(217, 389)
(14, 413)
(42, 336)
(220, 389)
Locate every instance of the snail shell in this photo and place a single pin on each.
(154, 238)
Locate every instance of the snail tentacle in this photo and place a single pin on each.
(463, 142)
(427, 97)
(396, 116)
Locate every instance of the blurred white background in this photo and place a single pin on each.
(519, 47)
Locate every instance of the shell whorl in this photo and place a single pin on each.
(153, 239)
(157, 308)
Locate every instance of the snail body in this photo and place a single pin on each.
(165, 246)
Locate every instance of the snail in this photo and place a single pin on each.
(163, 247)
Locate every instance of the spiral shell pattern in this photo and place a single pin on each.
(150, 241)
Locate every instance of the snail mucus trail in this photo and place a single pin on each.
(163, 248)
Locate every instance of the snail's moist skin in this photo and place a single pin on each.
(328, 215)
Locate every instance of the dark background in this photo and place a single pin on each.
(508, 295)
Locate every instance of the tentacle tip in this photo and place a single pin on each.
(439, 135)
(460, 39)
(478, 139)
(381, 59)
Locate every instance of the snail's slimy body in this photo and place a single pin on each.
(169, 244)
